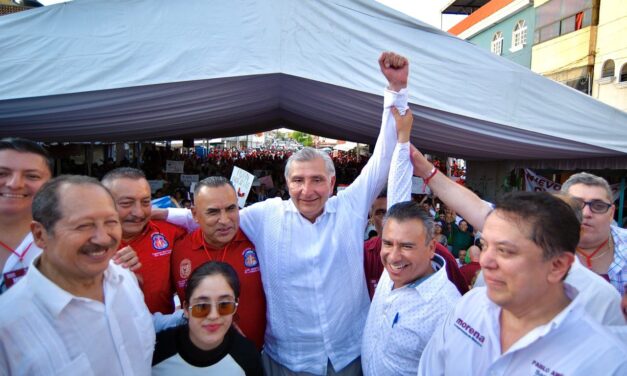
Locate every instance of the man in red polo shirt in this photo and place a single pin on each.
(219, 238)
(153, 241)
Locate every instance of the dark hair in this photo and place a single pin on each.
(409, 210)
(552, 223)
(23, 145)
(45, 207)
(123, 173)
(210, 268)
(212, 182)
(383, 193)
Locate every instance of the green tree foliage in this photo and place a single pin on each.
(302, 138)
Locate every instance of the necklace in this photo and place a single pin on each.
(590, 257)
(204, 247)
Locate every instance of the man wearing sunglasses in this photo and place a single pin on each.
(603, 246)
(600, 299)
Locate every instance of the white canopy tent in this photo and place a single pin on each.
(116, 70)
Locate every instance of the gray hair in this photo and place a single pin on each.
(212, 182)
(123, 173)
(46, 208)
(589, 180)
(309, 154)
(409, 210)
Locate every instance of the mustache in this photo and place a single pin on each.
(91, 247)
(133, 218)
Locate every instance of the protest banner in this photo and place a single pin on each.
(538, 183)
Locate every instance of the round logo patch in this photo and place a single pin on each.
(250, 258)
(185, 268)
(159, 242)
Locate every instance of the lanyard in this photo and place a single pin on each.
(20, 257)
(590, 256)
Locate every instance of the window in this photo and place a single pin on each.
(559, 17)
(623, 74)
(608, 69)
(519, 35)
(497, 43)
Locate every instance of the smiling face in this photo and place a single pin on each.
(404, 253)
(310, 187)
(21, 176)
(132, 201)
(595, 227)
(217, 214)
(515, 272)
(208, 332)
(81, 243)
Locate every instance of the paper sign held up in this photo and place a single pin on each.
(242, 181)
(174, 167)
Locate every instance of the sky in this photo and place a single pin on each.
(424, 10)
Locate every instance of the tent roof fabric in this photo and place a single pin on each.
(94, 70)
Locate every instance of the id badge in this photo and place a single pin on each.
(11, 278)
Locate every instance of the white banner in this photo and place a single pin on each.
(537, 183)
(174, 167)
(242, 181)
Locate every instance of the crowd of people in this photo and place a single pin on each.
(287, 286)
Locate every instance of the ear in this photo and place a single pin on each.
(194, 213)
(40, 235)
(185, 310)
(332, 185)
(560, 266)
(431, 248)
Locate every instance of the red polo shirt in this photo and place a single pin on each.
(189, 253)
(154, 248)
(469, 271)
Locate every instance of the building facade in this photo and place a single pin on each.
(610, 64)
(504, 27)
(564, 41)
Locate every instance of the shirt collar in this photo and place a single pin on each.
(439, 276)
(574, 308)
(198, 239)
(53, 297)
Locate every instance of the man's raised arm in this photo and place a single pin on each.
(459, 198)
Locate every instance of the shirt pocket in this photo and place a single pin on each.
(79, 366)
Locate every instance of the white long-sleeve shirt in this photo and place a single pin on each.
(45, 330)
(312, 273)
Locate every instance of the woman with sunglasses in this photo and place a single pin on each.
(208, 344)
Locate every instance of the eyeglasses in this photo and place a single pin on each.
(202, 310)
(596, 206)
